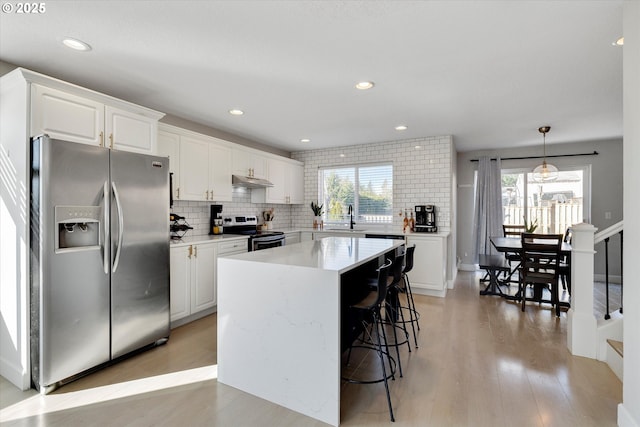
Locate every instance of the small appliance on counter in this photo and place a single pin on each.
(178, 226)
(248, 225)
(216, 223)
(426, 219)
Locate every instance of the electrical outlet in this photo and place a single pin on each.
(607, 215)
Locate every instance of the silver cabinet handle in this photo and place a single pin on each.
(195, 252)
(120, 226)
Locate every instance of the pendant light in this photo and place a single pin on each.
(545, 172)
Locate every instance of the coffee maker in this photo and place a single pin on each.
(426, 219)
(215, 222)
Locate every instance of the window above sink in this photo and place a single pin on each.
(367, 188)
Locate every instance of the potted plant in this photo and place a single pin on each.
(530, 227)
(317, 213)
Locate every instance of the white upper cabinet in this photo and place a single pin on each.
(295, 184)
(169, 146)
(277, 174)
(220, 187)
(287, 177)
(205, 165)
(68, 117)
(130, 131)
(248, 162)
(194, 168)
(88, 120)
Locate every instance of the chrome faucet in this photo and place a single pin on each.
(351, 221)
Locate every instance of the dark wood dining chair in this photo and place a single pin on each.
(512, 231)
(565, 264)
(540, 267)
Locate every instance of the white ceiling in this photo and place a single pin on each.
(487, 72)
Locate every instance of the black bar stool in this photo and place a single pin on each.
(368, 311)
(405, 287)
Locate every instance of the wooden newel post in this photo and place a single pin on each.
(582, 324)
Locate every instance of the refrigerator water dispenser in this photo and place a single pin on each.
(77, 228)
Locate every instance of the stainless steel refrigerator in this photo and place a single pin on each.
(99, 257)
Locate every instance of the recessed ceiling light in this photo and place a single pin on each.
(305, 140)
(236, 112)
(364, 85)
(417, 147)
(76, 44)
(401, 127)
(341, 154)
(619, 42)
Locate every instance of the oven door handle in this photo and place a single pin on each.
(256, 242)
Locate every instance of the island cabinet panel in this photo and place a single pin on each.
(285, 306)
(429, 265)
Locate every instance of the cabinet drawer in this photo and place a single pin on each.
(232, 247)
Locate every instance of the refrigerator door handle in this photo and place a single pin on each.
(120, 227)
(107, 240)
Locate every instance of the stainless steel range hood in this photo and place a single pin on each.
(249, 182)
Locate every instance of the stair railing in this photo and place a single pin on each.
(605, 236)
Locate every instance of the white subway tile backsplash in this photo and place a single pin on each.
(421, 176)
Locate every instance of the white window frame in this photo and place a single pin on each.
(586, 185)
(356, 201)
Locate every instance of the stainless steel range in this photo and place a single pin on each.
(248, 225)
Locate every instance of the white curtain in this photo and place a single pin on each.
(488, 206)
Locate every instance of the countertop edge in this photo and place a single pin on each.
(194, 240)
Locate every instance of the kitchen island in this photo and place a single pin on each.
(279, 319)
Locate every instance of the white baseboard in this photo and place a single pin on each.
(421, 290)
(15, 374)
(468, 267)
(625, 419)
(192, 317)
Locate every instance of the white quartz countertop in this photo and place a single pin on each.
(194, 240)
(331, 253)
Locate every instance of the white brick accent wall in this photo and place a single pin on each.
(421, 176)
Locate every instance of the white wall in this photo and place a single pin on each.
(420, 176)
(606, 191)
(629, 410)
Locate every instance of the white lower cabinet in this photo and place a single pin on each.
(429, 264)
(292, 238)
(194, 277)
(193, 269)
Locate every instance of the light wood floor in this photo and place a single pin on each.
(481, 362)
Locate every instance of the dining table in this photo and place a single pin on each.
(514, 245)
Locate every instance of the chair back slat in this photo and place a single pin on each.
(511, 230)
(541, 251)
